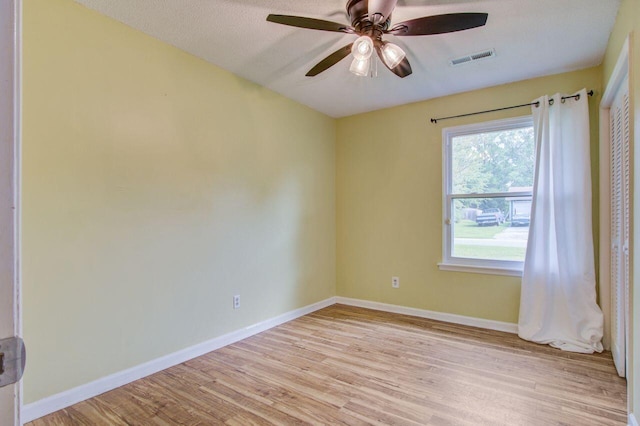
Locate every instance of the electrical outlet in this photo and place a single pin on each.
(395, 282)
(236, 301)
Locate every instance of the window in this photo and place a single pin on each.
(488, 181)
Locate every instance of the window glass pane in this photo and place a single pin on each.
(491, 162)
(491, 228)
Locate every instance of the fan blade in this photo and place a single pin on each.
(402, 70)
(330, 60)
(439, 24)
(310, 23)
(383, 8)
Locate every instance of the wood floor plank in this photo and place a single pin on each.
(354, 366)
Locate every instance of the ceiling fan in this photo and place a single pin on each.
(370, 20)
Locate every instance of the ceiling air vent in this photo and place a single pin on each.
(473, 57)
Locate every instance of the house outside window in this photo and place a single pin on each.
(488, 180)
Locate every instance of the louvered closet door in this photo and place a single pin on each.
(620, 220)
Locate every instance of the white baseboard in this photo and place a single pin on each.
(632, 420)
(67, 398)
(423, 313)
(64, 399)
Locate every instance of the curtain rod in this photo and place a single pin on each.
(537, 104)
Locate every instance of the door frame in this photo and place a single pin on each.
(10, 302)
(618, 76)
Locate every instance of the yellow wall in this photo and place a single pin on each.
(628, 22)
(155, 187)
(389, 200)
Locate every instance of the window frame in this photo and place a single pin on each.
(463, 264)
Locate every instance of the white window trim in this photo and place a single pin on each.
(459, 264)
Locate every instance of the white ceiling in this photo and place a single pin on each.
(531, 38)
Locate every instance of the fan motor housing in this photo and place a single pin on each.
(358, 11)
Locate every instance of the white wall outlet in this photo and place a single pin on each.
(236, 301)
(395, 282)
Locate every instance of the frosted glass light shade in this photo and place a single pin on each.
(362, 48)
(360, 67)
(392, 54)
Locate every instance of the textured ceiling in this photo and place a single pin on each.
(531, 38)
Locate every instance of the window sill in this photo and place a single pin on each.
(480, 269)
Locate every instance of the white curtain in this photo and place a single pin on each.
(558, 300)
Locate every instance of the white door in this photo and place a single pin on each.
(9, 394)
(620, 220)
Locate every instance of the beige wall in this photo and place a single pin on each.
(628, 23)
(389, 200)
(155, 187)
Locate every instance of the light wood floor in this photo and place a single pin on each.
(345, 365)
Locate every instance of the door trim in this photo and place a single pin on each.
(10, 71)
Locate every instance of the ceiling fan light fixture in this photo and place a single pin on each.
(360, 67)
(362, 48)
(371, 20)
(392, 54)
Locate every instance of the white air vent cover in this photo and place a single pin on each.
(473, 57)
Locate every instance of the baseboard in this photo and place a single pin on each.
(423, 313)
(632, 420)
(64, 399)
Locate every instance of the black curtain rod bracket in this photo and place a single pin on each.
(536, 104)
